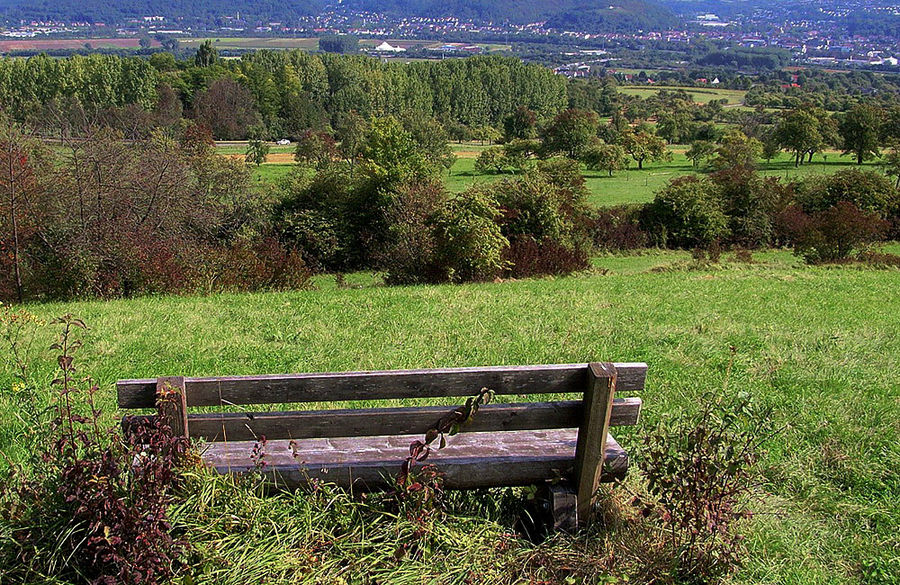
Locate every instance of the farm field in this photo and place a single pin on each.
(56, 44)
(638, 186)
(817, 344)
(699, 94)
(629, 186)
(312, 43)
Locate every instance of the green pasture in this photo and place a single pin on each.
(698, 94)
(818, 344)
(639, 186)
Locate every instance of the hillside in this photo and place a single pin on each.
(816, 343)
(570, 14)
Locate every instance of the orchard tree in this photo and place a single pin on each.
(491, 160)
(892, 165)
(798, 132)
(860, 130)
(605, 157)
(736, 149)
(570, 133)
(643, 145)
(521, 124)
(700, 151)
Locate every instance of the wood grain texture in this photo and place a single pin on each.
(306, 424)
(470, 460)
(592, 434)
(171, 404)
(343, 386)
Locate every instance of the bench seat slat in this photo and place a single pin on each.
(470, 460)
(345, 386)
(236, 426)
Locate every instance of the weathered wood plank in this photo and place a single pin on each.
(592, 434)
(171, 404)
(343, 386)
(237, 426)
(470, 460)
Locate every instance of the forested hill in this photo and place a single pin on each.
(583, 15)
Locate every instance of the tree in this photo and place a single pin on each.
(206, 55)
(520, 124)
(798, 132)
(339, 44)
(737, 150)
(700, 150)
(257, 152)
(351, 132)
(491, 160)
(892, 165)
(18, 186)
(570, 133)
(860, 130)
(315, 148)
(227, 107)
(643, 145)
(605, 157)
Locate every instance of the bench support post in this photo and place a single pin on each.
(591, 447)
(171, 404)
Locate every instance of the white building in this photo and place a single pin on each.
(385, 47)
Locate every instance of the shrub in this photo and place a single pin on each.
(870, 192)
(260, 264)
(95, 508)
(833, 234)
(528, 257)
(618, 228)
(409, 255)
(469, 243)
(687, 213)
(699, 474)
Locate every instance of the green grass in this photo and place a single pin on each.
(820, 345)
(271, 173)
(698, 94)
(640, 186)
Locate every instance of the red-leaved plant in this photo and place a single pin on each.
(95, 509)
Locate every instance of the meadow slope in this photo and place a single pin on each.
(821, 345)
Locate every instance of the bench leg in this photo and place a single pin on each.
(590, 450)
(563, 508)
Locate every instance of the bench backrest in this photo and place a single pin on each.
(380, 385)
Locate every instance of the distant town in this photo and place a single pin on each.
(819, 37)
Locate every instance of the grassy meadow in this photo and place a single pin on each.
(700, 95)
(819, 344)
(627, 186)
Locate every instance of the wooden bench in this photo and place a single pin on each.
(505, 444)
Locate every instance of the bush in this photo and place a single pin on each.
(529, 257)
(833, 234)
(548, 213)
(469, 243)
(749, 202)
(94, 508)
(686, 214)
(870, 192)
(409, 255)
(260, 264)
(699, 473)
(618, 228)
